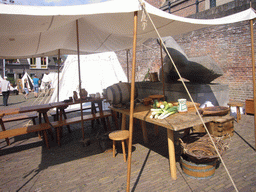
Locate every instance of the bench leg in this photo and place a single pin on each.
(114, 148)
(123, 148)
(3, 129)
(58, 134)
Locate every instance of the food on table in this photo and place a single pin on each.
(162, 109)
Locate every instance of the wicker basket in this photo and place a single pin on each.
(199, 148)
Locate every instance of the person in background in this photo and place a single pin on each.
(5, 88)
(26, 88)
(36, 85)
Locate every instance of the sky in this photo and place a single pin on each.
(55, 2)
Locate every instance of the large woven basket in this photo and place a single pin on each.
(199, 148)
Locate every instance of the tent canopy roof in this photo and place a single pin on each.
(30, 31)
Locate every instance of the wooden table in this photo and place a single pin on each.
(61, 106)
(175, 122)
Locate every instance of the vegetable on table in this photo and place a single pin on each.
(162, 109)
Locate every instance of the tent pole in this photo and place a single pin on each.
(253, 77)
(79, 76)
(58, 88)
(162, 64)
(127, 64)
(132, 100)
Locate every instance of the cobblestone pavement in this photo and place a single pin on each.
(27, 165)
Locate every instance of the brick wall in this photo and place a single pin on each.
(228, 45)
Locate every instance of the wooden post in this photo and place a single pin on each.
(127, 63)
(58, 88)
(253, 77)
(162, 64)
(132, 100)
(79, 76)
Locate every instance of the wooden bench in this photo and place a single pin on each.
(73, 120)
(27, 129)
(237, 105)
(20, 117)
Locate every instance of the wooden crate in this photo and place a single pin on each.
(249, 106)
(221, 126)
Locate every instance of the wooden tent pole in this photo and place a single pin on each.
(127, 64)
(79, 76)
(162, 64)
(253, 77)
(132, 100)
(58, 88)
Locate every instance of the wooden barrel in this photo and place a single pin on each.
(120, 93)
(198, 171)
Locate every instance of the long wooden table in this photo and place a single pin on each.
(175, 122)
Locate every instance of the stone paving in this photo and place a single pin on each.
(27, 165)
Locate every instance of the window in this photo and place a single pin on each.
(33, 63)
(43, 63)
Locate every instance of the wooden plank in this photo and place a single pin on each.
(24, 130)
(78, 119)
(20, 117)
(71, 110)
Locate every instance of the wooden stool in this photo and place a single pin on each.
(237, 105)
(119, 135)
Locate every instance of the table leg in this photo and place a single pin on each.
(238, 114)
(114, 117)
(171, 149)
(93, 111)
(65, 117)
(123, 126)
(46, 120)
(144, 131)
(101, 113)
(156, 130)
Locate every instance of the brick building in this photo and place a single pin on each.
(229, 45)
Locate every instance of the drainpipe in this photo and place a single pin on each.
(3, 68)
(197, 8)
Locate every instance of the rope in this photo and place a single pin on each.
(145, 11)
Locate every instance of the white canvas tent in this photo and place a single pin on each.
(51, 78)
(109, 26)
(30, 81)
(30, 31)
(99, 71)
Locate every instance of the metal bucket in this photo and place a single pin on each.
(198, 171)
